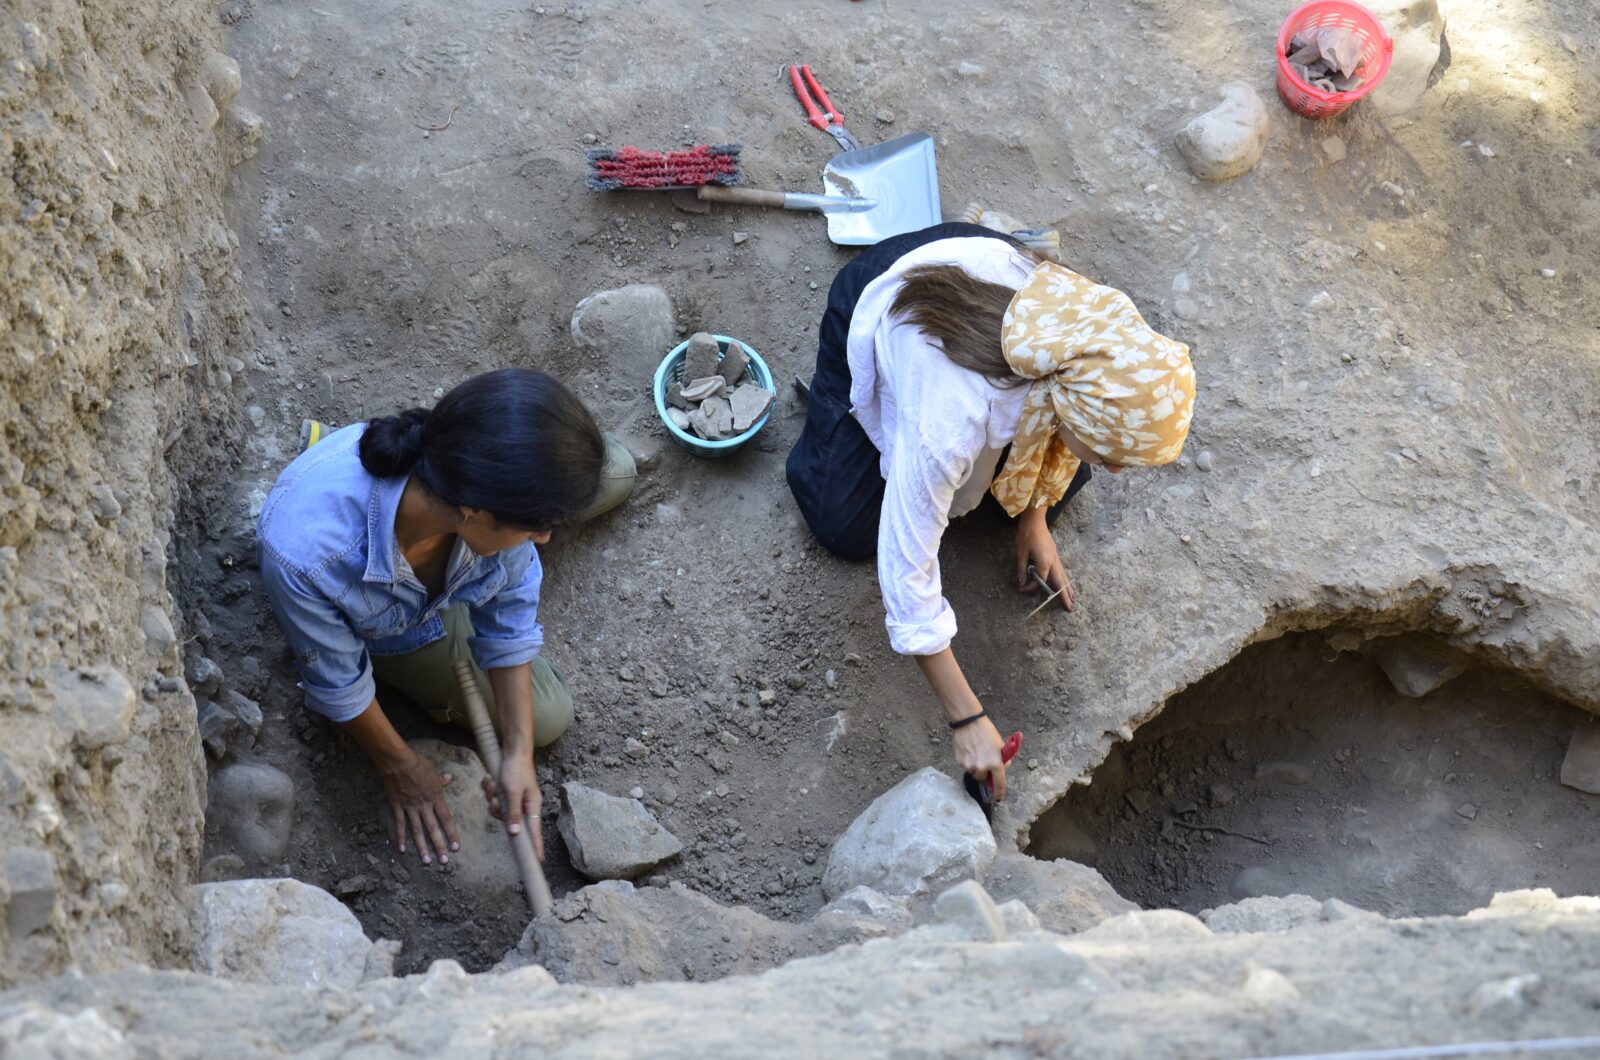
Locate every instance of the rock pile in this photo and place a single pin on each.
(715, 400)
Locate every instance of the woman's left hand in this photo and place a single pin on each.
(1037, 547)
(517, 797)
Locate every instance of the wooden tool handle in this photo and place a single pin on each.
(741, 196)
(534, 885)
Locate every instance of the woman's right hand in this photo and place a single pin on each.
(416, 798)
(977, 747)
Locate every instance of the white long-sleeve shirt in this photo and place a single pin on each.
(940, 429)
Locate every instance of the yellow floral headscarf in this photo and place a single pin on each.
(1098, 370)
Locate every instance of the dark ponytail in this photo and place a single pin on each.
(391, 445)
(514, 443)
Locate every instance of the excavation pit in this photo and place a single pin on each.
(1296, 769)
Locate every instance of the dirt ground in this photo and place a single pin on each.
(416, 215)
(1408, 807)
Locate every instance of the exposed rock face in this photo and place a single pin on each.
(278, 933)
(1228, 139)
(916, 839)
(1157, 985)
(121, 305)
(609, 837)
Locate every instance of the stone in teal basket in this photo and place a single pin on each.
(671, 371)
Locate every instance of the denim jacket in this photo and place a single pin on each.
(342, 590)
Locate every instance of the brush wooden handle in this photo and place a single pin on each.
(533, 882)
(741, 196)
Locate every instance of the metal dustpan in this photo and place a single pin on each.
(869, 194)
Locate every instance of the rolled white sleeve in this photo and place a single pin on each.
(916, 510)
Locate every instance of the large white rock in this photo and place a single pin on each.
(1228, 139)
(276, 932)
(917, 839)
(633, 325)
(1418, 30)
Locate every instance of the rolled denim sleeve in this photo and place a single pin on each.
(335, 671)
(506, 626)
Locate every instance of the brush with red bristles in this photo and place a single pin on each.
(614, 169)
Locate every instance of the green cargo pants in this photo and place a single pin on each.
(428, 677)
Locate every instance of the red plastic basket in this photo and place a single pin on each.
(1377, 49)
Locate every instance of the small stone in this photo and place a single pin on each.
(1185, 309)
(719, 417)
(29, 878)
(675, 398)
(1320, 300)
(701, 356)
(1580, 769)
(796, 681)
(885, 115)
(749, 403)
(1548, 274)
(636, 793)
(250, 808)
(1415, 664)
(204, 677)
(700, 389)
(733, 364)
(670, 514)
(969, 910)
(766, 697)
(1219, 795)
(609, 837)
(1467, 810)
(351, 886)
(1334, 148)
(679, 418)
(722, 791)
(103, 502)
(1569, 42)
(969, 70)
(219, 76)
(740, 237)
(634, 749)
(93, 706)
(1203, 461)
(1228, 139)
(1485, 150)
(157, 626)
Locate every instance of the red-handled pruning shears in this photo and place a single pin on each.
(819, 108)
(983, 793)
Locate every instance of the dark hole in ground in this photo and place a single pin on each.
(1398, 805)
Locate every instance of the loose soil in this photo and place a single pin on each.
(416, 215)
(1350, 790)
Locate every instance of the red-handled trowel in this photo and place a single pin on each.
(983, 791)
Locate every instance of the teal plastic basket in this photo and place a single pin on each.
(671, 371)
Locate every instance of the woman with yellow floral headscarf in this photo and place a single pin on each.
(953, 364)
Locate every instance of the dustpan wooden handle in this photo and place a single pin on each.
(741, 196)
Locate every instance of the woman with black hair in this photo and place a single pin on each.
(391, 549)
